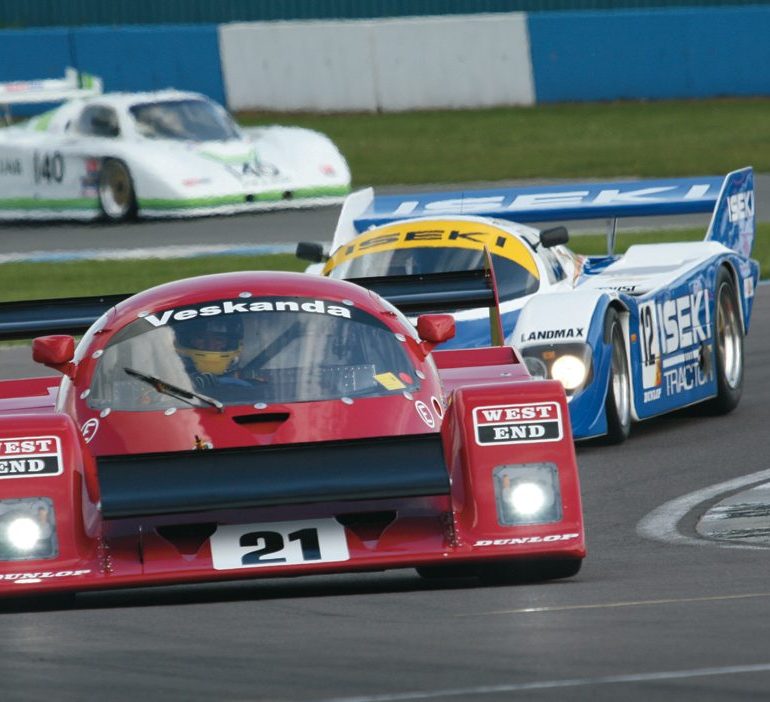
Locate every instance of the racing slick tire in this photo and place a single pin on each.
(728, 346)
(117, 198)
(618, 402)
(529, 571)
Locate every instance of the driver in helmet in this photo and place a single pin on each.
(211, 348)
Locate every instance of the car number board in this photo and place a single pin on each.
(278, 544)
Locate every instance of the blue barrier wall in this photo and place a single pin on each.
(582, 56)
(150, 58)
(127, 58)
(46, 13)
(34, 53)
(576, 56)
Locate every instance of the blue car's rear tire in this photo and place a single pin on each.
(728, 345)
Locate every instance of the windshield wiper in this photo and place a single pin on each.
(175, 391)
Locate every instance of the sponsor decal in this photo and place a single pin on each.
(652, 395)
(550, 334)
(740, 206)
(620, 288)
(33, 577)
(425, 414)
(389, 381)
(89, 429)
(690, 375)
(240, 307)
(192, 182)
(30, 457)
(466, 235)
(560, 199)
(10, 167)
(669, 331)
(685, 321)
(89, 183)
(748, 287)
(278, 544)
(517, 424)
(526, 540)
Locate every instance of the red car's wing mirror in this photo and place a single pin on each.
(55, 351)
(433, 329)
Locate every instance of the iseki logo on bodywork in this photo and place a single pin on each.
(517, 424)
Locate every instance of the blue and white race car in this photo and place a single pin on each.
(630, 337)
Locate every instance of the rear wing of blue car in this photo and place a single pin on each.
(729, 199)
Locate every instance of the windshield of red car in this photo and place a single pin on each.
(254, 350)
(186, 120)
(513, 279)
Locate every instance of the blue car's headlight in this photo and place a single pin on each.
(27, 529)
(527, 493)
(570, 364)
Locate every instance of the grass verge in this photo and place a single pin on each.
(592, 140)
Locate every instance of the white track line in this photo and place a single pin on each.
(569, 682)
(661, 523)
(615, 605)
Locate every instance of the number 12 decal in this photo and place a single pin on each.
(278, 543)
(651, 362)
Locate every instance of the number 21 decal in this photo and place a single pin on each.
(278, 543)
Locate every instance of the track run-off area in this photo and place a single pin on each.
(672, 601)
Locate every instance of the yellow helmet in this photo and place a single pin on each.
(213, 345)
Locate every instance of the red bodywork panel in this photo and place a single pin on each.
(476, 413)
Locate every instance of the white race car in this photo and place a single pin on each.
(161, 154)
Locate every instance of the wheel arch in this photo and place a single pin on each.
(733, 272)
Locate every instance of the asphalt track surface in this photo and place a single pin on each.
(657, 612)
(644, 619)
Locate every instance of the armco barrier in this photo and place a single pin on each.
(583, 56)
(404, 64)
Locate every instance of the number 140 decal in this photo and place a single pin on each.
(278, 543)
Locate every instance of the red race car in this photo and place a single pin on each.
(274, 424)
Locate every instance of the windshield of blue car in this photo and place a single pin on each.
(250, 351)
(513, 280)
(185, 120)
